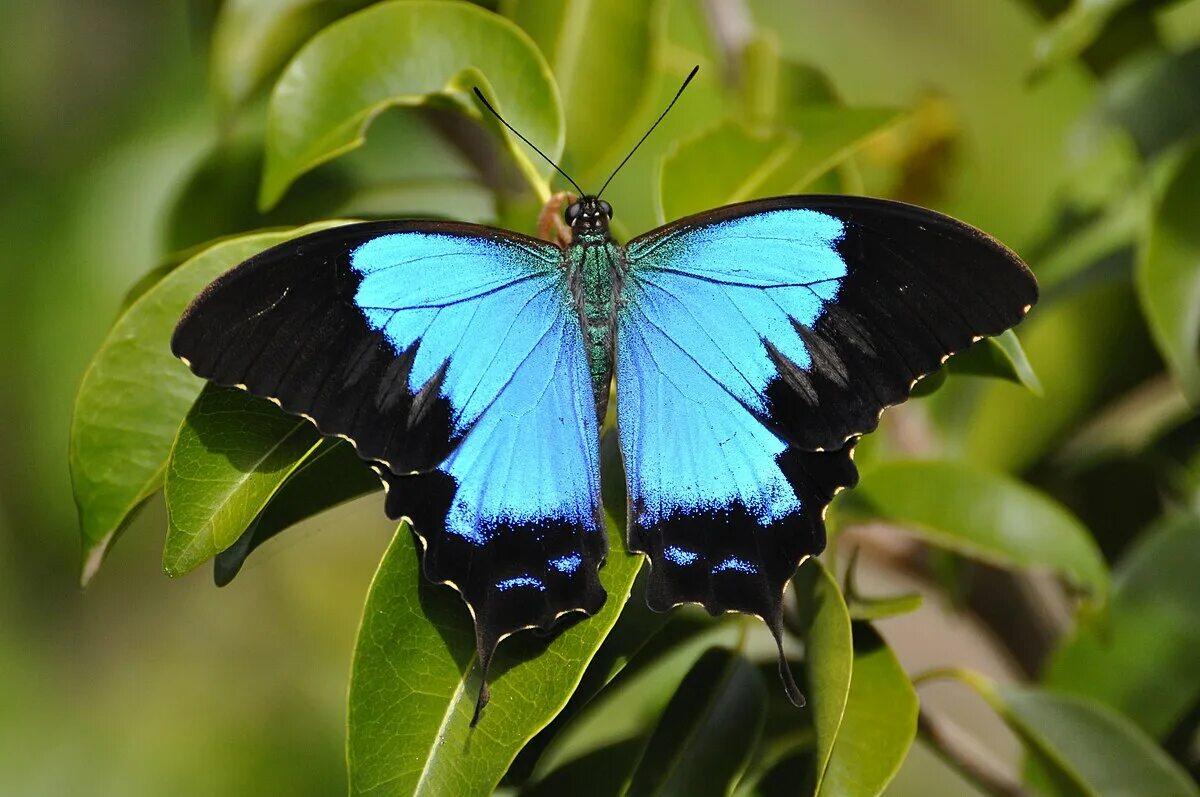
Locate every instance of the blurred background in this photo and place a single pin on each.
(117, 152)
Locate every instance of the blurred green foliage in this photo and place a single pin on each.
(141, 143)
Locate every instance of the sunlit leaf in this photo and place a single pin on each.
(1001, 357)
(331, 475)
(985, 515)
(1142, 662)
(135, 394)
(1178, 23)
(829, 653)
(432, 179)
(253, 39)
(232, 454)
(405, 53)
(414, 682)
(1082, 747)
(688, 40)
(1073, 30)
(970, 58)
(708, 731)
(884, 607)
(731, 164)
(575, 38)
(879, 723)
(1168, 275)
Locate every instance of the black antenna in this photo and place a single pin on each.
(686, 81)
(488, 105)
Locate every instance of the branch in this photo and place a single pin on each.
(967, 757)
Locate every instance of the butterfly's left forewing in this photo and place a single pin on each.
(452, 356)
(755, 342)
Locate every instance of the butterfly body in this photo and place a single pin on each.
(751, 345)
(595, 266)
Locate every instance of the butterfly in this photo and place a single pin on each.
(751, 346)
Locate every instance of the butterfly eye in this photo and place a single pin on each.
(606, 208)
(572, 212)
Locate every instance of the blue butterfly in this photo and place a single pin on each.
(751, 346)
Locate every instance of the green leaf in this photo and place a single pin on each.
(575, 38)
(720, 166)
(1143, 661)
(135, 394)
(639, 637)
(331, 475)
(687, 41)
(929, 384)
(602, 773)
(233, 453)
(1084, 747)
(879, 723)
(413, 681)
(1168, 275)
(1075, 341)
(1112, 229)
(253, 39)
(829, 134)
(218, 197)
(630, 706)
(1128, 426)
(1154, 97)
(882, 608)
(1073, 30)
(986, 516)
(705, 738)
(871, 608)
(432, 179)
(829, 652)
(732, 164)
(1001, 357)
(407, 53)
(971, 56)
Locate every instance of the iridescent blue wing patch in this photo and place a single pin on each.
(452, 357)
(755, 343)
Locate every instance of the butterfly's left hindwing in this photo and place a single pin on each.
(755, 343)
(452, 357)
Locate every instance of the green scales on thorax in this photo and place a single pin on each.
(595, 266)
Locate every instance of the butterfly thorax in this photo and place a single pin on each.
(595, 265)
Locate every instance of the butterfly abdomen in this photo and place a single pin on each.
(595, 269)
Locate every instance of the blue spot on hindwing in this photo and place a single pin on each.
(567, 564)
(679, 556)
(735, 564)
(521, 581)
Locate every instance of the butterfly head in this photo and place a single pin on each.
(588, 215)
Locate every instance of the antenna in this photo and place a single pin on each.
(671, 104)
(488, 105)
